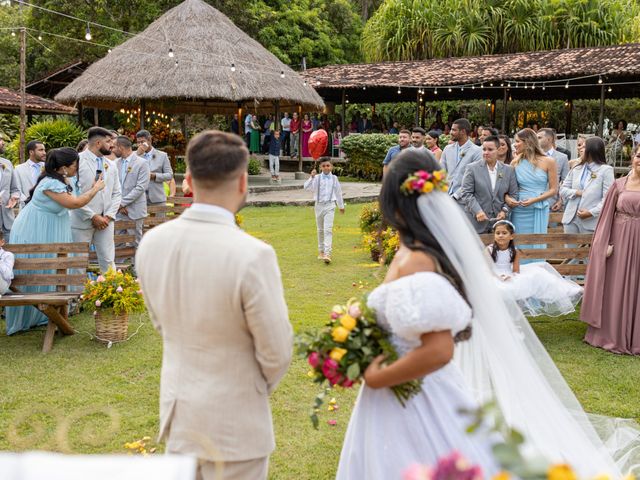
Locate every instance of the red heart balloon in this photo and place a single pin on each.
(318, 143)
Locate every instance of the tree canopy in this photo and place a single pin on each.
(414, 29)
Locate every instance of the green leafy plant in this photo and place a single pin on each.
(114, 290)
(53, 133)
(381, 242)
(365, 153)
(254, 166)
(9, 127)
(181, 166)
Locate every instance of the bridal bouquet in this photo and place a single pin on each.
(343, 349)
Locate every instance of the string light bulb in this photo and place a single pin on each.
(544, 87)
(233, 67)
(566, 85)
(13, 33)
(40, 36)
(281, 73)
(170, 52)
(449, 89)
(305, 83)
(600, 79)
(399, 91)
(533, 87)
(435, 91)
(109, 51)
(609, 89)
(87, 34)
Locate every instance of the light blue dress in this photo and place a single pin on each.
(41, 221)
(532, 182)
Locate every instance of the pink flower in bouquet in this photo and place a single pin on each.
(333, 423)
(334, 315)
(330, 368)
(336, 380)
(456, 467)
(100, 278)
(313, 359)
(347, 383)
(355, 311)
(417, 472)
(98, 303)
(119, 290)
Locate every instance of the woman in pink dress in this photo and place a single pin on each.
(611, 304)
(307, 128)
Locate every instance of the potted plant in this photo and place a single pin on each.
(112, 297)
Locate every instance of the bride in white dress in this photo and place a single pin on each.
(439, 279)
(422, 303)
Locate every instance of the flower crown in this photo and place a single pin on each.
(425, 182)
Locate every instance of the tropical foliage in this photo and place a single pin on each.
(413, 29)
(53, 133)
(365, 154)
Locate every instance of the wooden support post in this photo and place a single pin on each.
(569, 117)
(80, 114)
(601, 115)
(300, 139)
(23, 90)
(240, 121)
(492, 116)
(96, 116)
(505, 99)
(417, 116)
(344, 109)
(277, 116)
(143, 108)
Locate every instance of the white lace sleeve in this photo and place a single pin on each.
(425, 302)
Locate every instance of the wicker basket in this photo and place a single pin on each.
(111, 327)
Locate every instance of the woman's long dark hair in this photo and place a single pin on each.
(507, 141)
(56, 159)
(401, 212)
(512, 246)
(594, 151)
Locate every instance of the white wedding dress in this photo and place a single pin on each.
(384, 438)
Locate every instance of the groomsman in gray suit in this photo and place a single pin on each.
(485, 185)
(159, 166)
(547, 141)
(93, 223)
(457, 155)
(9, 194)
(27, 173)
(133, 172)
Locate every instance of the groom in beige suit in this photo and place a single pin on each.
(215, 295)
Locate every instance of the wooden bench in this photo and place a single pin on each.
(560, 249)
(54, 257)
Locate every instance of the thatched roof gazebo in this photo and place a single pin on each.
(192, 59)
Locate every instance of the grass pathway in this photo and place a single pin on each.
(81, 380)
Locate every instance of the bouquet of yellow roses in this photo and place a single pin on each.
(343, 349)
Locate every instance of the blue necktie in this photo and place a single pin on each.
(583, 178)
(36, 172)
(125, 161)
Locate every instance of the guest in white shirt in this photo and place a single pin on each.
(327, 192)
(457, 155)
(27, 173)
(7, 259)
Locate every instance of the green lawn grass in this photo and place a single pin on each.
(69, 392)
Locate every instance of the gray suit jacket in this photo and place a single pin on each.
(562, 162)
(478, 196)
(469, 153)
(160, 165)
(593, 195)
(134, 184)
(105, 202)
(8, 189)
(24, 180)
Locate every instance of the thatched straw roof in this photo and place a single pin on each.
(205, 44)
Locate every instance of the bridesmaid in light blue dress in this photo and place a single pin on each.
(537, 182)
(45, 219)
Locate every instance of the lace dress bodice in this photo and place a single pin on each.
(416, 304)
(503, 265)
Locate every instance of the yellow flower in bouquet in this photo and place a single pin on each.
(348, 322)
(561, 472)
(339, 334)
(337, 353)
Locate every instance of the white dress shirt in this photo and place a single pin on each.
(215, 209)
(493, 176)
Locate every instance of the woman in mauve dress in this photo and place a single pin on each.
(611, 304)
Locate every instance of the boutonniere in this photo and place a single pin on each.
(3, 166)
(153, 157)
(462, 154)
(500, 175)
(41, 169)
(105, 166)
(593, 175)
(129, 170)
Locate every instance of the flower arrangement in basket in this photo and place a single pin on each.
(341, 351)
(112, 297)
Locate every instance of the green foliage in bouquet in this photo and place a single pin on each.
(53, 133)
(365, 153)
(113, 290)
(342, 350)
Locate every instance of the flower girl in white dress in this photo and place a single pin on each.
(537, 287)
(422, 303)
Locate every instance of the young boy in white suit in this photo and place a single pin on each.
(327, 193)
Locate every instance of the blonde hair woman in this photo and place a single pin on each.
(537, 178)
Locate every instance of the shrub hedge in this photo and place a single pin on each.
(365, 153)
(53, 133)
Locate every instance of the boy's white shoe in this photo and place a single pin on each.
(320, 256)
(327, 259)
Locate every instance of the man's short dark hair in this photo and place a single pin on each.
(143, 134)
(419, 130)
(463, 124)
(493, 139)
(123, 141)
(32, 145)
(549, 132)
(492, 131)
(214, 157)
(95, 132)
(321, 160)
(404, 130)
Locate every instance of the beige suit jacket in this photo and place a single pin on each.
(215, 294)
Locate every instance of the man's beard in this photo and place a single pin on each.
(105, 151)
